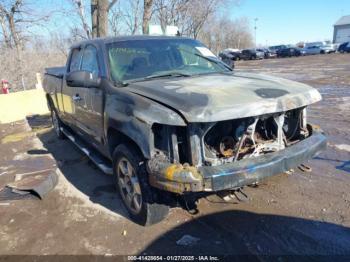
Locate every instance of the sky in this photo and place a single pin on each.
(291, 21)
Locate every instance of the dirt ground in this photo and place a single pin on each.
(298, 213)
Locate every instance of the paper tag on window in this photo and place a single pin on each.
(205, 51)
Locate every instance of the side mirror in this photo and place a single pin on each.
(82, 79)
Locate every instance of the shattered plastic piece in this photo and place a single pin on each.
(39, 183)
(187, 240)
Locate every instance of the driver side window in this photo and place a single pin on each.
(89, 62)
(75, 60)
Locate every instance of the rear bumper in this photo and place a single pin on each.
(180, 179)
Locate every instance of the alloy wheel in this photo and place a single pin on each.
(129, 185)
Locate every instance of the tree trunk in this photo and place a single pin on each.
(99, 17)
(94, 18)
(14, 33)
(6, 35)
(103, 6)
(147, 13)
(18, 45)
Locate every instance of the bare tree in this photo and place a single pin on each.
(132, 16)
(221, 33)
(116, 17)
(80, 6)
(189, 15)
(16, 19)
(99, 16)
(5, 33)
(13, 9)
(171, 12)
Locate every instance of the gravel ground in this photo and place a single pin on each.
(298, 213)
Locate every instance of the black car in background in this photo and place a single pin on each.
(288, 52)
(251, 54)
(228, 58)
(234, 53)
(276, 48)
(344, 47)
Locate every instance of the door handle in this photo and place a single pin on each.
(76, 98)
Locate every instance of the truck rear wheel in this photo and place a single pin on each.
(140, 199)
(57, 124)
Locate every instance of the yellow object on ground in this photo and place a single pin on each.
(16, 106)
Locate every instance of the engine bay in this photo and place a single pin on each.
(233, 140)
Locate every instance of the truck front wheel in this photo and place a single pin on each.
(140, 199)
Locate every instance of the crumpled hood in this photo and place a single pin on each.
(220, 97)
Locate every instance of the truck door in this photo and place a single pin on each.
(68, 93)
(90, 109)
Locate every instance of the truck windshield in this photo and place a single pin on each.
(135, 60)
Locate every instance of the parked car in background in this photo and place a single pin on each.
(251, 54)
(275, 48)
(234, 53)
(302, 51)
(267, 53)
(344, 47)
(288, 52)
(328, 49)
(312, 50)
(319, 43)
(228, 58)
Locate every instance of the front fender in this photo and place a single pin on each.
(134, 115)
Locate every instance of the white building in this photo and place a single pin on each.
(341, 32)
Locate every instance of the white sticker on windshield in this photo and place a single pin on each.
(205, 51)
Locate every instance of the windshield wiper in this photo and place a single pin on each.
(168, 74)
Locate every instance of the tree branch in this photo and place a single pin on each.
(111, 4)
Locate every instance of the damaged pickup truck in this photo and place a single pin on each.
(167, 118)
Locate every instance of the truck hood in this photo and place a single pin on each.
(218, 97)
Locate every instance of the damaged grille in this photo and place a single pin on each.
(233, 140)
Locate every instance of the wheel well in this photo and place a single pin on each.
(49, 102)
(116, 138)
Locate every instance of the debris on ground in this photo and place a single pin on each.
(39, 183)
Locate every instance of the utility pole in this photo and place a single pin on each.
(255, 28)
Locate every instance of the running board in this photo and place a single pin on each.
(94, 156)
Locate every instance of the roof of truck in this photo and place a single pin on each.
(106, 40)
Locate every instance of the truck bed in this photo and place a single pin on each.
(53, 80)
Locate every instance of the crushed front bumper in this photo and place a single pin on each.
(180, 178)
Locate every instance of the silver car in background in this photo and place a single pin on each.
(328, 49)
(312, 50)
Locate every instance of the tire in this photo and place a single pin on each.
(57, 124)
(131, 178)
